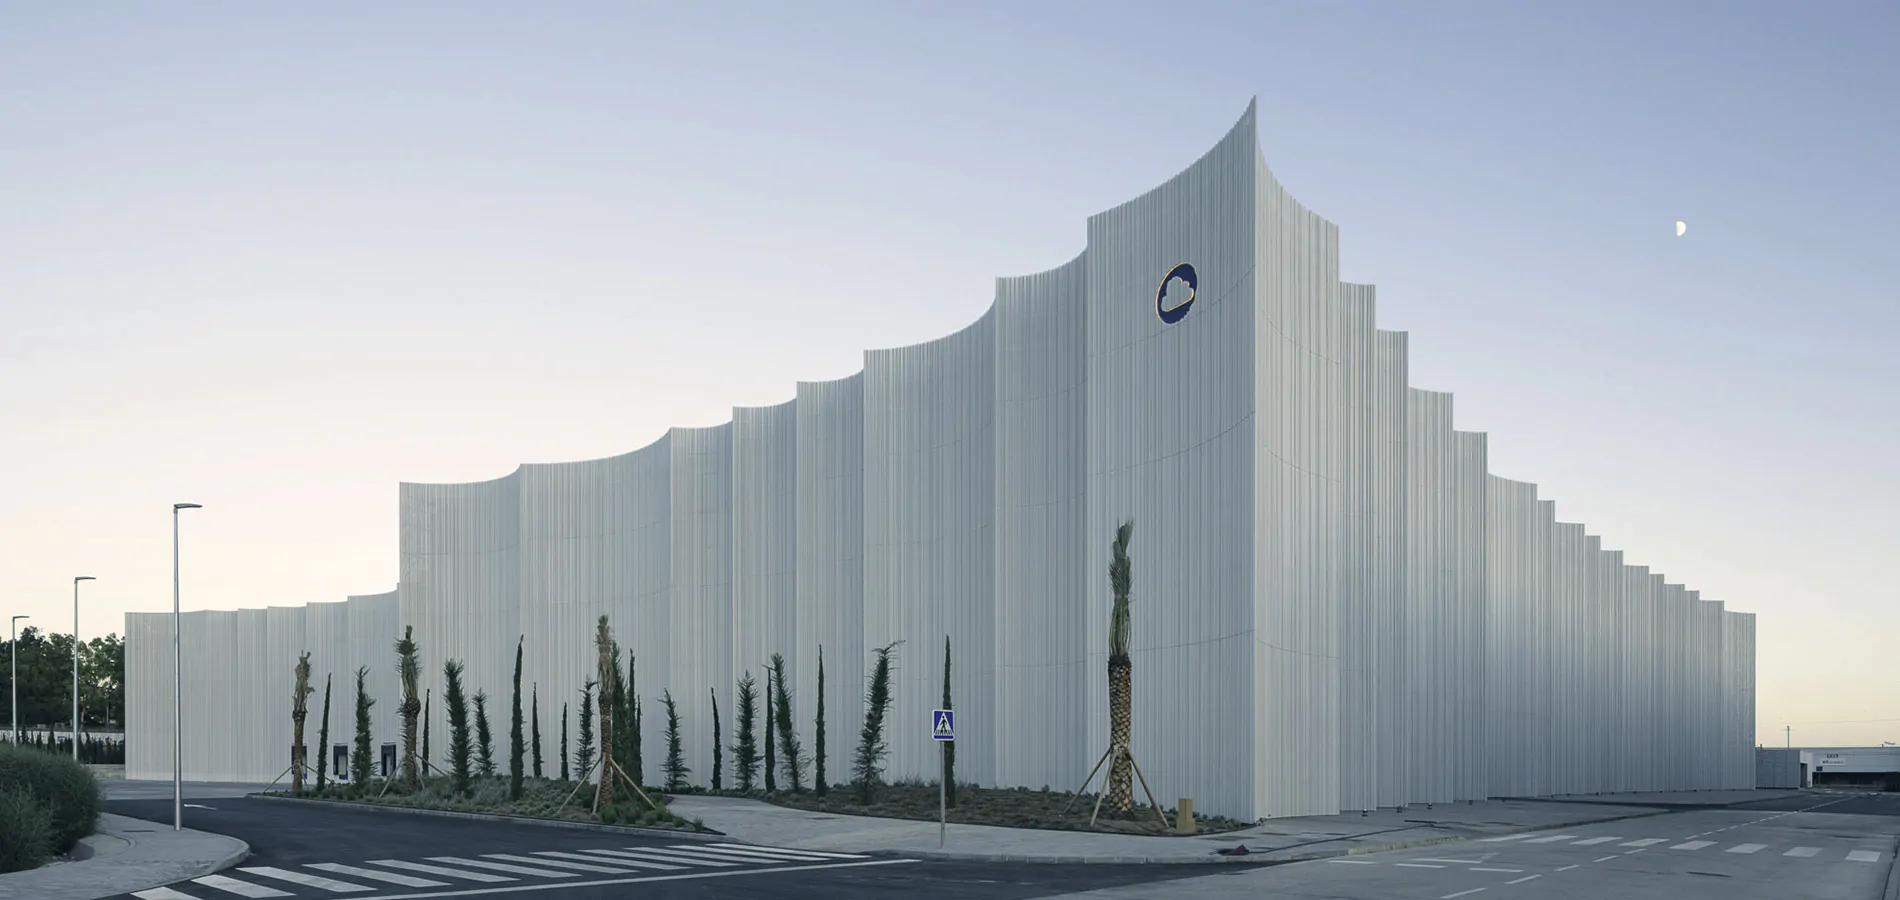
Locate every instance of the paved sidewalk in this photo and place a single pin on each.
(127, 855)
(1276, 840)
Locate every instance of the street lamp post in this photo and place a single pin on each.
(76, 581)
(14, 624)
(178, 702)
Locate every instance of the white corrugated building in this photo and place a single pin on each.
(1337, 605)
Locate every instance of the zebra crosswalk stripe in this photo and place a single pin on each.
(504, 867)
(675, 856)
(825, 853)
(1747, 848)
(316, 881)
(759, 856)
(1591, 842)
(241, 888)
(1802, 851)
(1644, 842)
(463, 874)
(1551, 839)
(1863, 856)
(373, 875)
(1693, 845)
(161, 893)
(619, 865)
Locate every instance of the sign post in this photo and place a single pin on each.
(943, 729)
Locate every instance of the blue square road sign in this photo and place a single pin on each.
(943, 724)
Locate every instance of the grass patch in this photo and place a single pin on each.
(1009, 807)
(541, 798)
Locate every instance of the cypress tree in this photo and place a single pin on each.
(428, 761)
(563, 742)
(619, 702)
(484, 739)
(771, 765)
(323, 738)
(950, 747)
(718, 752)
(584, 753)
(536, 713)
(675, 767)
(460, 750)
(788, 751)
(636, 725)
(517, 746)
(745, 753)
(359, 767)
(818, 736)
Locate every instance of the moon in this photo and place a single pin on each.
(1680, 228)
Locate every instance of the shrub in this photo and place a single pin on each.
(67, 790)
(26, 831)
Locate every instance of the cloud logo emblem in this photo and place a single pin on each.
(1176, 293)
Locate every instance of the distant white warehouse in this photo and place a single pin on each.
(1337, 606)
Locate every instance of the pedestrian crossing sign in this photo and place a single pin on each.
(943, 724)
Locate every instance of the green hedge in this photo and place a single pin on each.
(47, 803)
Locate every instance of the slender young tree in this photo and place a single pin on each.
(604, 665)
(622, 748)
(428, 758)
(818, 735)
(950, 747)
(323, 738)
(788, 751)
(409, 672)
(584, 753)
(872, 749)
(745, 752)
(718, 749)
(299, 708)
(675, 767)
(517, 748)
(636, 726)
(771, 763)
(563, 742)
(460, 750)
(535, 711)
(484, 738)
(360, 767)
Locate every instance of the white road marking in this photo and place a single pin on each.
(1551, 839)
(1353, 862)
(1508, 837)
(1693, 845)
(1478, 869)
(316, 881)
(1645, 842)
(671, 856)
(1863, 856)
(240, 888)
(1747, 848)
(1802, 851)
(1461, 893)
(1604, 858)
(1591, 842)
(373, 875)
(617, 869)
(1569, 867)
(1418, 865)
(605, 882)
(162, 893)
(825, 853)
(439, 870)
(1522, 880)
(750, 855)
(193, 805)
(503, 867)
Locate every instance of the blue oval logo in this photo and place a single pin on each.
(1172, 305)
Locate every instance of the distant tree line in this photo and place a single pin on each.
(46, 681)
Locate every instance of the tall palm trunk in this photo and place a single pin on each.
(604, 646)
(1121, 675)
(299, 708)
(409, 667)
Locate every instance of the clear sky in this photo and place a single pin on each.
(276, 258)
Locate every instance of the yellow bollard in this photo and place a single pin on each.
(1184, 818)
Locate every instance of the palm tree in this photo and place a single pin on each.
(299, 708)
(1121, 787)
(409, 669)
(604, 649)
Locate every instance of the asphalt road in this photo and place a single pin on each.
(1813, 847)
(292, 844)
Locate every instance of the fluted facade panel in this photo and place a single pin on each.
(1336, 605)
(1043, 589)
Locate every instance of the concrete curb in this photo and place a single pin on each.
(1893, 876)
(708, 835)
(91, 879)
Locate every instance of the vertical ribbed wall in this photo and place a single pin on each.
(1336, 605)
(1044, 588)
(831, 562)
